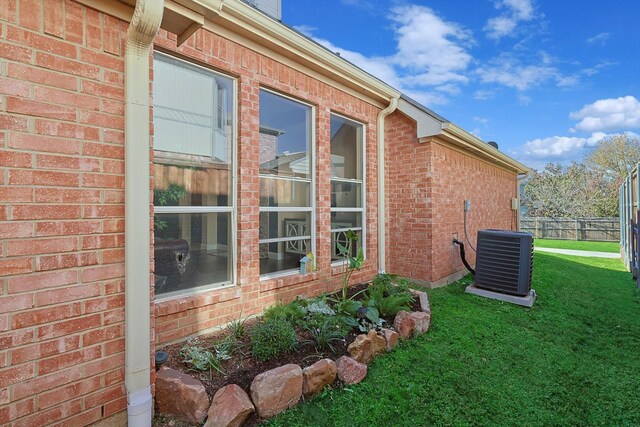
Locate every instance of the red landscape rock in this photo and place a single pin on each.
(423, 321)
(230, 407)
(404, 324)
(390, 337)
(317, 376)
(350, 371)
(365, 347)
(275, 390)
(182, 395)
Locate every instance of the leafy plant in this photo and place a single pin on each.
(272, 338)
(325, 334)
(237, 327)
(369, 317)
(201, 359)
(162, 198)
(294, 312)
(352, 263)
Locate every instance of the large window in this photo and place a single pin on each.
(194, 195)
(287, 218)
(347, 182)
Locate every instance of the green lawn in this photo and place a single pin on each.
(574, 359)
(579, 245)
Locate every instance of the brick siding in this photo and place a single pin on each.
(426, 185)
(61, 214)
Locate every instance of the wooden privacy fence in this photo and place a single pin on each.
(603, 229)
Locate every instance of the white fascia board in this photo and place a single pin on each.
(427, 125)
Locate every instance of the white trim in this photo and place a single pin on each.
(284, 239)
(278, 274)
(192, 209)
(284, 177)
(342, 230)
(285, 209)
(348, 210)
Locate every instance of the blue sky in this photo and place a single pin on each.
(546, 79)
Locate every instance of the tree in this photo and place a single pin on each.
(614, 157)
(588, 189)
(567, 191)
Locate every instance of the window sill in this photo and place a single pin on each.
(272, 283)
(180, 303)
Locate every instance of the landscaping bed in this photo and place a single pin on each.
(297, 334)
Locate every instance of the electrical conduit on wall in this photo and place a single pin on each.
(382, 225)
(140, 34)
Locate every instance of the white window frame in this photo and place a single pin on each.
(312, 184)
(232, 210)
(363, 195)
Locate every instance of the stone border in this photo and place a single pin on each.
(281, 388)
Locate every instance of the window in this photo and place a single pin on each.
(347, 182)
(194, 198)
(287, 218)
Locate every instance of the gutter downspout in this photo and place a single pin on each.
(140, 34)
(382, 223)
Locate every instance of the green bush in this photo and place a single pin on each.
(272, 338)
(389, 295)
(294, 312)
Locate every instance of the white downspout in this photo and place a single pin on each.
(382, 225)
(140, 34)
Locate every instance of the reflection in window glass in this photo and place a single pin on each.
(347, 180)
(286, 182)
(193, 184)
(191, 250)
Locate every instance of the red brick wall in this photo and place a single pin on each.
(61, 214)
(426, 185)
(458, 176)
(409, 206)
(179, 317)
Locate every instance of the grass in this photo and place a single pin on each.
(573, 359)
(580, 245)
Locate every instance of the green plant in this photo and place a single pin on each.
(162, 198)
(294, 312)
(272, 338)
(237, 327)
(387, 300)
(201, 359)
(351, 263)
(325, 333)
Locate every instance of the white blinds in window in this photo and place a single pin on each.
(185, 108)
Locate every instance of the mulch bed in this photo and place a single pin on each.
(241, 369)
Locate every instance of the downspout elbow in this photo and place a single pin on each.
(144, 25)
(382, 226)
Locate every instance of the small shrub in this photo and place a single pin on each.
(199, 358)
(294, 312)
(389, 295)
(272, 338)
(237, 327)
(326, 333)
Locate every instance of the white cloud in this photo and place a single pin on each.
(483, 94)
(505, 24)
(431, 55)
(558, 149)
(429, 45)
(509, 71)
(599, 39)
(608, 114)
